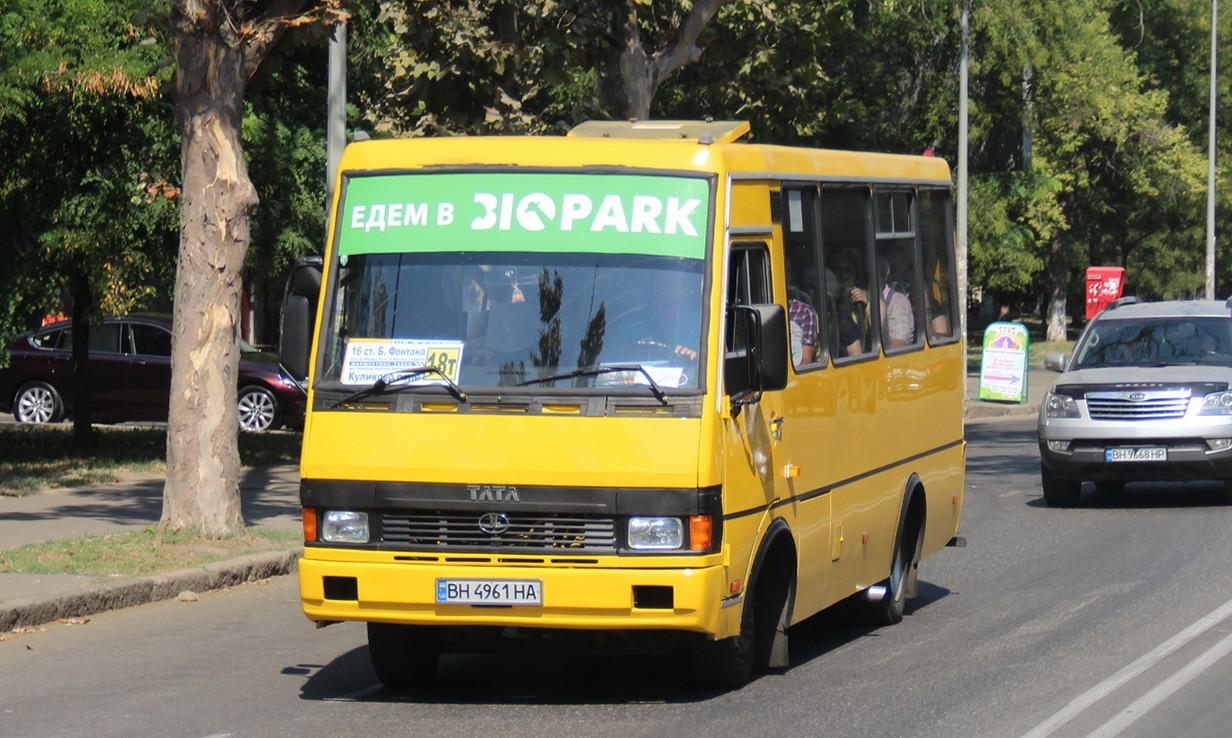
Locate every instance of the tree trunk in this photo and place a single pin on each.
(83, 300)
(1058, 284)
(202, 488)
(632, 76)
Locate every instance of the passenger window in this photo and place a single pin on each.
(54, 340)
(105, 339)
(848, 283)
(941, 322)
(804, 290)
(897, 271)
(150, 340)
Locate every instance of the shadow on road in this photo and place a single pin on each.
(574, 676)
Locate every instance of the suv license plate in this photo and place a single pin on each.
(1136, 454)
(489, 591)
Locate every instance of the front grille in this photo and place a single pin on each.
(1157, 405)
(460, 530)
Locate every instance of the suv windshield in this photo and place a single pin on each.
(500, 279)
(1157, 342)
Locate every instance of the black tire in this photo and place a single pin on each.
(726, 663)
(1226, 494)
(885, 603)
(258, 409)
(403, 656)
(1059, 492)
(38, 402)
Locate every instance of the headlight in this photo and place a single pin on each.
(1060, 406)
(1217, 403)
(655, 534)
(344, 526)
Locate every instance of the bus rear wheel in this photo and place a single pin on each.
(403, 656)
(885, 603)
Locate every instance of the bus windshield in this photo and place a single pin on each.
(505, 318)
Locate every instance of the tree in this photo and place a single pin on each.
(219, 45)
(86, 199)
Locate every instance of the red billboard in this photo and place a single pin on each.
(1104, 284)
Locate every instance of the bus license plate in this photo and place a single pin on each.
(1136, 454)
(489, 592)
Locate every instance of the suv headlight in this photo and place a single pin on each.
(1060, 406)
(1217, 403)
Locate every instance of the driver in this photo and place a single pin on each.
(677, 307)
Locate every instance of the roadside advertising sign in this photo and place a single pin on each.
(1104, 284)
(1003, 366)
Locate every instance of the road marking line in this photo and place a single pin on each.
(1163, 690)
(1114, 682)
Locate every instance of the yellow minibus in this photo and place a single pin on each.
(646, 378)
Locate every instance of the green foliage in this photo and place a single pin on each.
(91, 154)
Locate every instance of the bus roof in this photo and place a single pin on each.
(677, 146)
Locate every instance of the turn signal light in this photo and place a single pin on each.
(700, 532)
(310, 524)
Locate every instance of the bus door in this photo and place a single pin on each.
(750, 482)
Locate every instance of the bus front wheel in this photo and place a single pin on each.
(726, 663)
(403, 656)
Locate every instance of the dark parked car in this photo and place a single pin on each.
(130, 370)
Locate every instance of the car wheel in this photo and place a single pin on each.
(1059, 492)
(258, 410)
(38, 402)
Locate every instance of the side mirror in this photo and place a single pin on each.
(759, 363)
(298, 316)
(1056, 362)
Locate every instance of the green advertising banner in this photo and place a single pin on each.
(516, 211)
(1003, 366)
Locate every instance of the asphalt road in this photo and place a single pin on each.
(1110, 619)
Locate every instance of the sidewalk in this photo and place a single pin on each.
(270, 497)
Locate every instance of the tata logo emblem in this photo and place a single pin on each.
(492, 493)
(493, 523)
(1136, 396)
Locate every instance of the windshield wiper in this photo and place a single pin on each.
(402, 375)
(593, 371)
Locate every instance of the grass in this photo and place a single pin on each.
(41, 457)
(139, 553)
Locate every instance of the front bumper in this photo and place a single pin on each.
(592, 596)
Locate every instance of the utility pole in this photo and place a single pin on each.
(960, 237)
(1210, 165)
(335, 128)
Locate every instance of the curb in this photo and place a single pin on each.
(143, 590)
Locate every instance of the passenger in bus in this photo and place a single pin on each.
(848, 306)
(897, 315)
(802, 321)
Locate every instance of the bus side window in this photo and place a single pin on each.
(848, 283)
(804, 290)
(898, 280)
(941, 323)
(748, 284)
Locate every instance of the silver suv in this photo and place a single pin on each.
(1144, 397)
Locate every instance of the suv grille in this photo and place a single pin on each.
(460, 530)
(1138, 405)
